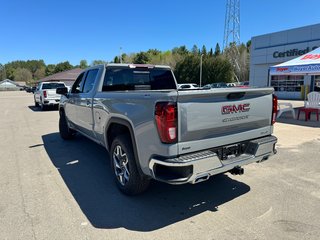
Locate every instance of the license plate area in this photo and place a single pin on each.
(231, 151)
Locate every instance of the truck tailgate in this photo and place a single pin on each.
(211, 118)
(51, 94)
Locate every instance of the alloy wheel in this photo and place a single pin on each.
(120, 162)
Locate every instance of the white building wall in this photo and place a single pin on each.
(264, 48)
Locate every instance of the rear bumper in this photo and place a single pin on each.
(196, 167)
(47, 101)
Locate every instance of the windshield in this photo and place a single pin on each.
(52, 85)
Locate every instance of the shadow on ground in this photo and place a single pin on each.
(288, 119)
(38, 109)
(85, 169)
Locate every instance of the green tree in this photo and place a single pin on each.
(31, 65)
(141, 58)
(98, 62)
(153, 52)
(211, 53)
(83, 64)
(195, 50)
(187, 70)
(39, 73)
(216, 69)
(204, 50)
(182, 50)
(50, 69)
(217, 50)
(3, 74)
(63, 66)
(116, 59)
(22, 75)
(123, 57)
(248, 45)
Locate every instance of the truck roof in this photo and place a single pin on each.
(135, 65)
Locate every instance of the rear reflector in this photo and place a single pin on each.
(274, 109)
(166, 120)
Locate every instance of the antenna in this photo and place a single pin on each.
(231, 39)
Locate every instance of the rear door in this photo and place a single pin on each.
(211, 118)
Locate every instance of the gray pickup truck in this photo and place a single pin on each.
(153, 131)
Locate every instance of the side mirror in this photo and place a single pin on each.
(62, 91)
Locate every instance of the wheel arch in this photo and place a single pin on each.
(117, 126)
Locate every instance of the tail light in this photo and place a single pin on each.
(45, 94)
(274, 109)
(166, 120)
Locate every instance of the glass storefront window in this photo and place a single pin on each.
(286, 83)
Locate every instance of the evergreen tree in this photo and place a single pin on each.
(211, 53)
(195, 50)
(217, 50)
(116, 59)
(204, 50)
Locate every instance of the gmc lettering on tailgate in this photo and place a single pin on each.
(228, 109)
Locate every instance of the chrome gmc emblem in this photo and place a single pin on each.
(235, 108)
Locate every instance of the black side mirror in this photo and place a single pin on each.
(62, 91)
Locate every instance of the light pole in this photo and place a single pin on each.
(120, 55)
(201, 69)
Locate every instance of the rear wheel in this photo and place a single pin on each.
(127, 176)
(36, 104)
(65, 132)
(42, 106)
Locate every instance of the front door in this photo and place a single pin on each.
(73, 100)
(83, 105)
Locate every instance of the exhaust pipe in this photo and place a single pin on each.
(202, 178)
(237, 171)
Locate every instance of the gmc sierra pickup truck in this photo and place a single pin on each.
(153, 131)
(45, 94)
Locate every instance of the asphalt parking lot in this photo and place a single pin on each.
(52, 189)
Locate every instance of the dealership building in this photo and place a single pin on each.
(275, 48)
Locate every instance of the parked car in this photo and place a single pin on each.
(216, 85)
(188, 86)
(244, 84)
(45, 94)
(153, 131)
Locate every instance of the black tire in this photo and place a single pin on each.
(65, 132)
(42, 106)
(136, 182)
(36, 104)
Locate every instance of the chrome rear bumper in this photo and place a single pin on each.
(196, 167)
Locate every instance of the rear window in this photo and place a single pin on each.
(52, 85)
(121, 79)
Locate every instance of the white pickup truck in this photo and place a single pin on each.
(45, 94)
(155, 131)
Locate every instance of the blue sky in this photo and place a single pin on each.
(59, 30)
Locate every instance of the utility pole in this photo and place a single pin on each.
(231, 40)
(120, 56)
